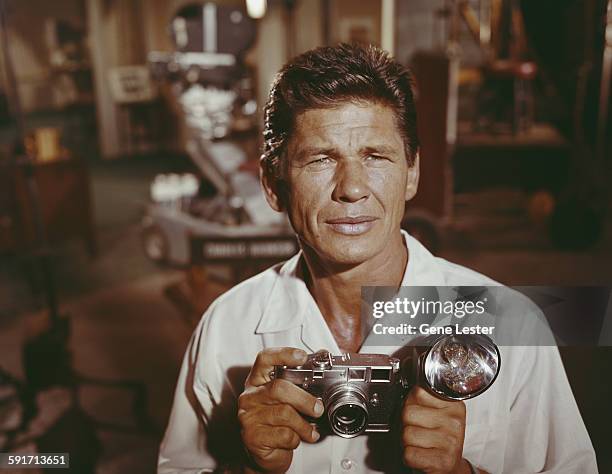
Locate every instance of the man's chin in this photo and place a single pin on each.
(347, 256)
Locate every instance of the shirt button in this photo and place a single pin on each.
(346, 464)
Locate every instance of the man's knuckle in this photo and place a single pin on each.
(420, 394)
(448, 462)
(277, 388)
(242, 416)
(284, 436)
(407, 457)
(409, 400)
(243, 399)
(452, 443)
(459, 409)
(410, 456)
(282, 413)
(409, 432)
(456, 425)
(247, 435)
(408, 414)
(295, 441)
(262, 357)
(284, 460)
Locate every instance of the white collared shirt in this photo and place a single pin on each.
(526, 422)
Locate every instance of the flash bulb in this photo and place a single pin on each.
(461, 366)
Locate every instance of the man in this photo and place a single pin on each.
(341, 158)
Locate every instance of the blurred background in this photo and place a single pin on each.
(129, 200)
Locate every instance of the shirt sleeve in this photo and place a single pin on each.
(547, 434)
(203, 410)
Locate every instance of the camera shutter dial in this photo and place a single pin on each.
(322, 360)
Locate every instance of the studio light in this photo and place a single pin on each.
(256, 8)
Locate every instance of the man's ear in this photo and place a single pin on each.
(412, 182)
(271, 188)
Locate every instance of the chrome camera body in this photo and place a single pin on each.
(360, 392)
(363, 392)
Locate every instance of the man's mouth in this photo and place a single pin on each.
(349, 225)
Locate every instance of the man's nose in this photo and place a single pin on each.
(351, 183)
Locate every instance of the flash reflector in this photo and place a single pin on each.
(460, 367)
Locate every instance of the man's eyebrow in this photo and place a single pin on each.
(315, 150)
(380, 148)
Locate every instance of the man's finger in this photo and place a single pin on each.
(285, 392)
(285, 415)
(268, 358)
(282, 392)
(425, 417)
(421, 458)
(427, 438)
(277, 437)
(273, 460)
(422, 397)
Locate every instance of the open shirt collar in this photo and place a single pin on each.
(289, 299)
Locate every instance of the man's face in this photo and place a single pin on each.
(347, 182)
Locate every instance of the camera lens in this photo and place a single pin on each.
(347, 412)
(349, 418)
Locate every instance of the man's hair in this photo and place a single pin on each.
(327, 77)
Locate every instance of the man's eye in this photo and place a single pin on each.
(324, 160)
(376, 158)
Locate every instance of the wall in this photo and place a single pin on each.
(347, 15)
(309, 25)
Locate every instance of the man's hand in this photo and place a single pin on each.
(432, 433)
(269, 412)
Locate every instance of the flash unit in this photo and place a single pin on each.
(460, 367)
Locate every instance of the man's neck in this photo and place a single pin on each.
(337, 291)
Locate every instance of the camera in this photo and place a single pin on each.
(364, 392)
